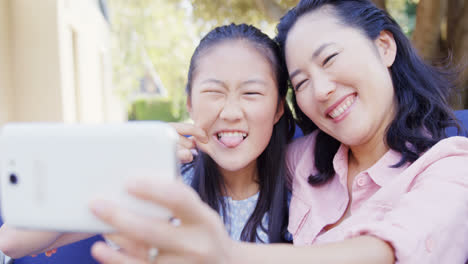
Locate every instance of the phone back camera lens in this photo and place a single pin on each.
(13, 179)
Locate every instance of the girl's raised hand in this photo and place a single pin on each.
(190, 138)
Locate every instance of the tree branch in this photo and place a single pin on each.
(380, 4)
(427, 31)
(271, 9)
(460, 48)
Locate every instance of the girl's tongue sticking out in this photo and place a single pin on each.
(231, 139)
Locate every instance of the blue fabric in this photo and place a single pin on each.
(462, 115)
(298, 132)
(76, 253)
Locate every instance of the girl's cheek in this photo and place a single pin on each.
(205, 115)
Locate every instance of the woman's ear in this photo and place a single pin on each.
(279, 110)
(387, 48)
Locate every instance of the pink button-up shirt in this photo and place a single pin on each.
(421, 209)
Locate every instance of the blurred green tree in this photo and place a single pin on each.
(152, 35)
(163, 34)
(438, 28)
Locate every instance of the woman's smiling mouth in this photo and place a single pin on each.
(338, 111)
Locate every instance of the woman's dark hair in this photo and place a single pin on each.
(421, 90)
(207, 179)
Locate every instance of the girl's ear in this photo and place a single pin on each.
(387, 48)
(279, 111)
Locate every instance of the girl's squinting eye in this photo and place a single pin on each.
(329, 58)
(212, 92)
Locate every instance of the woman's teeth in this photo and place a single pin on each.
(342, 107)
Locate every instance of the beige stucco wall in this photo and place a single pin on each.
(56, 59)
(36, 68)
(5, 64)
(85, 56)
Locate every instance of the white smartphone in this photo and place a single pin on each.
(50, 172)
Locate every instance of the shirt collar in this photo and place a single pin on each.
(382, 171)
(340, 164)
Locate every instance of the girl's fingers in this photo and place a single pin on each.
(185, 142)
(185, 155)
(204, 146)
(186, 129)
(198, 138)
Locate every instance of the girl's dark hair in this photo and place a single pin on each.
(421, 90)
(207, 179)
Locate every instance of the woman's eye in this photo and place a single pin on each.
(252, 93)
(296, 88)
(329, 58)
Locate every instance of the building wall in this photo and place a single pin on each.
(5, 64)
(55, 62)
(85, 56)
(36, 67)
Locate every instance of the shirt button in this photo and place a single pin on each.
(361, 181)
(429, 244)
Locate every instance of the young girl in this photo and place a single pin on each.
(375, 180)
(236, 89)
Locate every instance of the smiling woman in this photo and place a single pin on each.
(376, 118)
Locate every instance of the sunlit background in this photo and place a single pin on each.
(93, 61)
(154, 39)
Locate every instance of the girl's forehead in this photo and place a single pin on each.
(226, 47)
(232, 59)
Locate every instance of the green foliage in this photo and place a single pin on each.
(156, 109)
(261, 13)
(404, 12)
(163, 35)
(155, 34)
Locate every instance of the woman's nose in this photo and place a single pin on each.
(323, 87)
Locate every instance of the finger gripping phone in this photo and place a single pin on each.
(51, 172)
